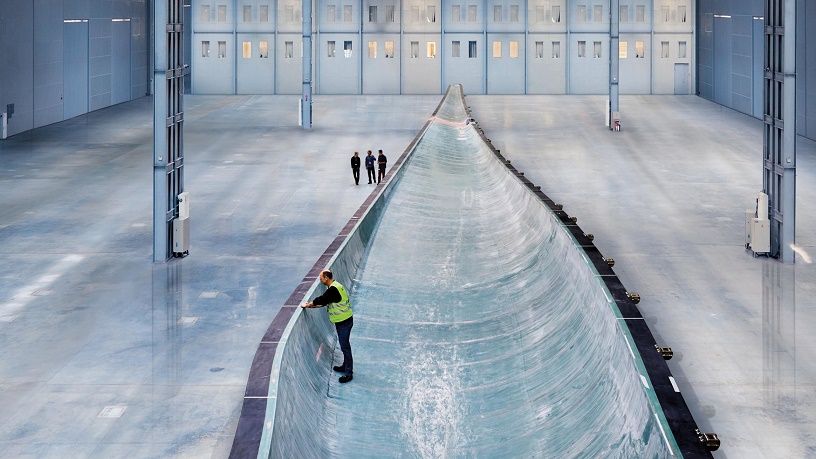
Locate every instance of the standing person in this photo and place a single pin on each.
(381, 160)
(369, 161)
(340, 314)
(355, 167)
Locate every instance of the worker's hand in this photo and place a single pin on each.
(306, 305)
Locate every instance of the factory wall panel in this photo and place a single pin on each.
(289, 76)
(505, 63)
(546, 63)
(381, 63)
(464, 61)
(421, 65)
(340, 60)
(214, 60)
(255, 67)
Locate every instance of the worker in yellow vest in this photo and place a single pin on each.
(341, 315)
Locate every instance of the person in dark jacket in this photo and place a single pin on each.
(369, 162)
(381, 160)
(355, 167)
(340, 314)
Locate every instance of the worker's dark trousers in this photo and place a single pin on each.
(343, 333)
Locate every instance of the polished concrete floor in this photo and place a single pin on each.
(106, 354)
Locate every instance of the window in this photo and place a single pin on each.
(539, 50)
(289, 13)
(639, 51)
(455, 48)
(664, 50)
(681, 50)
(331, 13)
(664, 13)
(247, 49)
(624, 13)
(222, 13)
(264, 48)
(556, 13)
(264, 13)
(372, 13)
(414, 49)
(205, 13)
(681, 13)
(431, 49)
(597, 13)
(497, 13)
(471, 13)
(222, 49)
(623, 48)
(514, 17)
(540, 13)
(596, 50)
(513, 50)
(556, 50)
(247, 13)
(581, 14)
(372, 50)
(471, 50)
(431, 13)
(456, 13)
(389, 14)
(347, 48)
(496, 49)
(581, 48)
(389, 50)
(640, 13)
(330, 48)
(289, 50)
(415, 13)
(346, 13)
(205, 49)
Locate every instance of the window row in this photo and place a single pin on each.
(543, 13)
(431, 49)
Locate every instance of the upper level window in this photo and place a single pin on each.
(497, 14)
(456, 13)
(222, 13)
(471, 13)
(431, 13)
(581, 16)
(205, 13)
(514, 13)
(597, 13)
(389, 13)
(372, 13)
(331, 13)
(346, 13)
(264, 13)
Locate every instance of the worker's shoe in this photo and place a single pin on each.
(345, 378)
(339, 368)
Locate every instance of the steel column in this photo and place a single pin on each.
(614, 59)
(168, 122)
(306, 99)
(779, 152)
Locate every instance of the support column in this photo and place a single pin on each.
(779, 152)
(614, 63)
(168, 122)
(306, 100)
